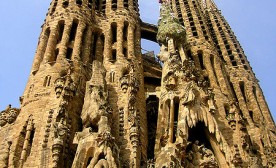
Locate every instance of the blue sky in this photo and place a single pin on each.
(252, 21)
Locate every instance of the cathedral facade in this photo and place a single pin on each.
(94, 100)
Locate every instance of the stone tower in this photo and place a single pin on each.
(94, 100)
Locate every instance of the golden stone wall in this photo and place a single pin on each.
(93, 100)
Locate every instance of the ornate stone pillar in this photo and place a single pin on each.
(78, 42)
(51, 46)
(87, 46)
(210, 70)
(108, 44)
(130, 41)
(65, 39)
(120, 39)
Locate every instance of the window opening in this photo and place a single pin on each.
(73, 30)
(114, 32)
(69, 53)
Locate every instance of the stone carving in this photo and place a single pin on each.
(200, 156)
(60, 134)
(231, 116)
(8, 116)
(96, 118)
(96, 98)
(65, 85)
(237, 160)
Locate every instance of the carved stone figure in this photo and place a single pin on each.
(8, 116)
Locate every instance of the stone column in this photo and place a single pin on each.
(26, 143)
(120, 39)
(210, 70)
(130, 41)
(40, 50)
(87, 46)
(107, 44)
(51, 46)
(242, 103)
(65, 40)
(171, 121)
(78, 42)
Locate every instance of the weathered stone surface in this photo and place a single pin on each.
(94, 100)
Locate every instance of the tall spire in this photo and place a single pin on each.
(209, 4)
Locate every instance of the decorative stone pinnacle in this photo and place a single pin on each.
(169, 26)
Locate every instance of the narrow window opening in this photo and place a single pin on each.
(94, 47)
(60, 30)
(65, 3)
(112, 77)
(73, 30)
(200, 57)
(176, 113)
(79, 2)
(125, 31)
(89, 160)
(207, 80)
(242, 87)
(114, 32)
(69, 53)
(114, 56)
(251, 115)
(97, 5)
(114, 5)
(125, 52)
(90, 4)
(47, 81)
(189, 54)
(234, 63)
(227, 109)
(152, 104)
(95, 128)
(30, 142)
(126, 4)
